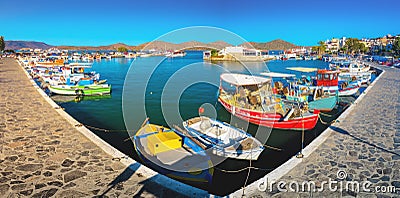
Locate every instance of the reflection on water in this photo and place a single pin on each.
(185, 84)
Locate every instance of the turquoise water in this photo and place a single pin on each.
(106, 112)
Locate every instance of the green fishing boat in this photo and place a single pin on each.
(85, 87)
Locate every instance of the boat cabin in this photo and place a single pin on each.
(245, 91)
(327, 78)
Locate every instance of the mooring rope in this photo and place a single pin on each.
(106, 130)
(248, 175)
(243, 169)
(272, 148)
(326, 123)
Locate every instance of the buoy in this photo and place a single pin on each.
(151, 92)
(201, 110)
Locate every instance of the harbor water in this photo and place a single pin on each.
(104, 114)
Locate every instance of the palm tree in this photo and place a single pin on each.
(321, 47)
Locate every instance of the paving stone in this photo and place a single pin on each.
(69, 185)
(16, 182)
(11, 158)
(55, 183)
(39, 186)
(4, 188)
(73, 193)
(45, 193)
(385, 178)
(73, 175)
(387, 171)
(81, 163)
(67, 163)
(29, 167)
(47, 174)
(26, 192)
(396, 184)
(6, 173)
(18, 187)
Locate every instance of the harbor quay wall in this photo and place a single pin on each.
(44, 152)
(358, 155)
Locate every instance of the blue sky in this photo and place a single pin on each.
(96, 22)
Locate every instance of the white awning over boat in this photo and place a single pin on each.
(277, 75)
(243, 79)
(302, 69)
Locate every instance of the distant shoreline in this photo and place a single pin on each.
(158, 45)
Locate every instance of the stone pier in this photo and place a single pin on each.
(44, 155)
(364, 148)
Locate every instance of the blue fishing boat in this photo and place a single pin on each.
(319, 93)
(348, 88)
(173, 153)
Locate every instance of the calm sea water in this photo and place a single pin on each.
(106, 112)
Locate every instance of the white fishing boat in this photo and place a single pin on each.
(130, 55)
(223, 139)
(363, 77)
(176, 53)
(348, 88)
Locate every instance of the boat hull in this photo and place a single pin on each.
(228, 143)
(348, 91)
(197, 164)
(272, 120)
(81, 90)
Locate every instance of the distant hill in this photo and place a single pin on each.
(15, 45)
(277, 44)
(94, 48)
(157, 45)
(162, 45)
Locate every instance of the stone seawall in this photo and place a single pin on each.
(364, 147)
(44, 153)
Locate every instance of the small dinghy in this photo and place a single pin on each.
(172, 153)
(223, 139)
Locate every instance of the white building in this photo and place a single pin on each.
(235, 53)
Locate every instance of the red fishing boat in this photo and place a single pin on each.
(250, 98)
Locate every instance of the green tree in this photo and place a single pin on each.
(353, 45)
(321, 47)
(2, 43)
(315, 49)
(122, 49)
(214, 53)
(396, 46)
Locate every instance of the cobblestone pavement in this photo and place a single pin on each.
(42, 155)
(366, 146)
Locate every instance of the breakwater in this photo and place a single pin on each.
(44, 152)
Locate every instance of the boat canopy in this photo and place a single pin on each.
(302, 69)
(243, 79)
(277, 75)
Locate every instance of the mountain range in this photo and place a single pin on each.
(157, 45)
(14, 45)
